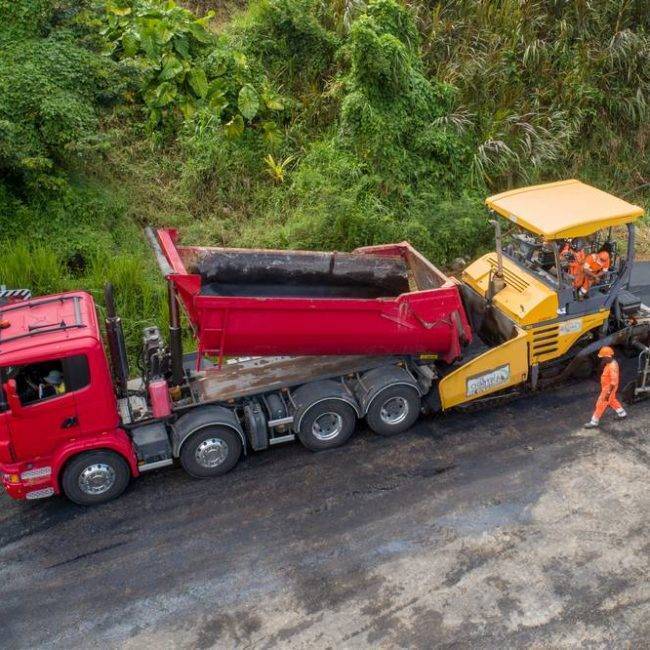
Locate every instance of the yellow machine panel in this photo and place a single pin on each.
(551, 341)
(525, 299)
(500, 367)
(563, 209)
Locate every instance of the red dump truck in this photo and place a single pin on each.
(359, 333)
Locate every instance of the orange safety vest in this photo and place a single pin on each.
(597, 262)
(610, 377)
(575, 266)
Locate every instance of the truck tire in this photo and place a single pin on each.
(95, 477)
(327, 424)
(394, 410)
(211, 451)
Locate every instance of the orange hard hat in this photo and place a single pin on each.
(605, 351)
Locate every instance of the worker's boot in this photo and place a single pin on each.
(621, 414)
(592, 424)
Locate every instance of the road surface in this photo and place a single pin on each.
(505, 527)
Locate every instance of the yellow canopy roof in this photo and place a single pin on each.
(564, 209)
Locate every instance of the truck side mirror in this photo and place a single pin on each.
(11, 391)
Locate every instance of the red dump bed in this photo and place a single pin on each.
(377, 300)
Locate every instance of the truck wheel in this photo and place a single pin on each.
(393, 410)
(211, 451)
(95, 477)
(327, 424)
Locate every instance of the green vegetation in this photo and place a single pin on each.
(299, 123)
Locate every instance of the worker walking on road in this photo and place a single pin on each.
(609, 385)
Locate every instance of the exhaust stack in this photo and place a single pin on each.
(496, 282)
(116, 343)
(175, 337)
(175, 334)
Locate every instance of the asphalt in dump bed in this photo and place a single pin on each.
(293, 290)
(501, 528)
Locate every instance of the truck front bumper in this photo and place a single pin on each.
(21, 482)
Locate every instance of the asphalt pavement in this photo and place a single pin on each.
(505, 527)
(640, 281)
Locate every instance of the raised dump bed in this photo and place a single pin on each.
(374, 301)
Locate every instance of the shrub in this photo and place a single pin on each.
(51, 89)
(290, 38)
(186, 73)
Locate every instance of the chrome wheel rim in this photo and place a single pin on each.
(327, 426)
(394, 410)
(211, 452)
(97, 478)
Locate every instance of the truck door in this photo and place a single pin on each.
(48, 412)
(5, 437)
(96, 406)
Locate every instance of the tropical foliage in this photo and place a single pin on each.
(184, 69)
(547, 85)
(53, 84)
(299, 123)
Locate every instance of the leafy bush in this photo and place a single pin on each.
(185, 71)
(289, 37)
(391, 114)
(51, 89)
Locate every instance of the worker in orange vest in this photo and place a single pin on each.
(573, 255)
(595, 265)
(608, 387)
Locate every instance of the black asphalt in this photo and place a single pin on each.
(640, 281)
(300, 548)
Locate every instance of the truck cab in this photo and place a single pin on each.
(57, 397)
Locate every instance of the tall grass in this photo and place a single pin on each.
(139, 293)
(36, 267)
(553, 87)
